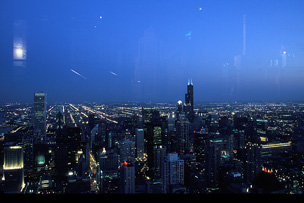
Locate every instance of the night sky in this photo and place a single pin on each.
(146, 50)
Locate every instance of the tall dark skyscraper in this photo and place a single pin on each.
(252, 161)
(152, 132)
(179, 108)
(127, 178)
(40, 117)
(183, 134)
(189, 95)
(188, 106)
(140, 143)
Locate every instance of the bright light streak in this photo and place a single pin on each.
(113, 73)
(14, 131)
(74, 107)
(101, 114)
(84, 114)
(78, 74)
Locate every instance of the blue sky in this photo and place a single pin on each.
(146, 50)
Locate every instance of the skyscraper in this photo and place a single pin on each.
(252, 161)
(127, 178)
(127, 151)
(188, 106)
(140, 143)
(159, 157)
(61, 151)
(183, 134)
(179, 109)
(40, 117)
(212, 157)
(200, 141)
(13, 171)
(152, 132)
(172, 172)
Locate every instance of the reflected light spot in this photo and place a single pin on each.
(18, 53)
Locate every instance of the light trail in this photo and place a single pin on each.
(101, 114)
(78, 74)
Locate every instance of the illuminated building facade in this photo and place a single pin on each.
(262, 125)
(13, 170)
(275, 148)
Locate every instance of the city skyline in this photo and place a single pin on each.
(145, 51)
(152, 97)
(161, 148)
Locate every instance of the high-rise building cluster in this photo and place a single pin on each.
(144, 148)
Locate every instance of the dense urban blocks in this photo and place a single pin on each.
(164, 148)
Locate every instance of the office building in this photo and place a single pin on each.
(127, 178)
(59, 120)
(188, 106)
(109, 163)
(94, 134)
(140, 143)
(183, 134)
(74, 144)
(261, 128)
(127, 151)
(40, 118)
(189, 167)
(150, 115)
(179, 109)
(61, 150)
(159, 158)
(13, 169)
(213, 122)
(213, 159)
(172, 172)
(200, 141)
(152, 132)
(171, 122)
(252, 161)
